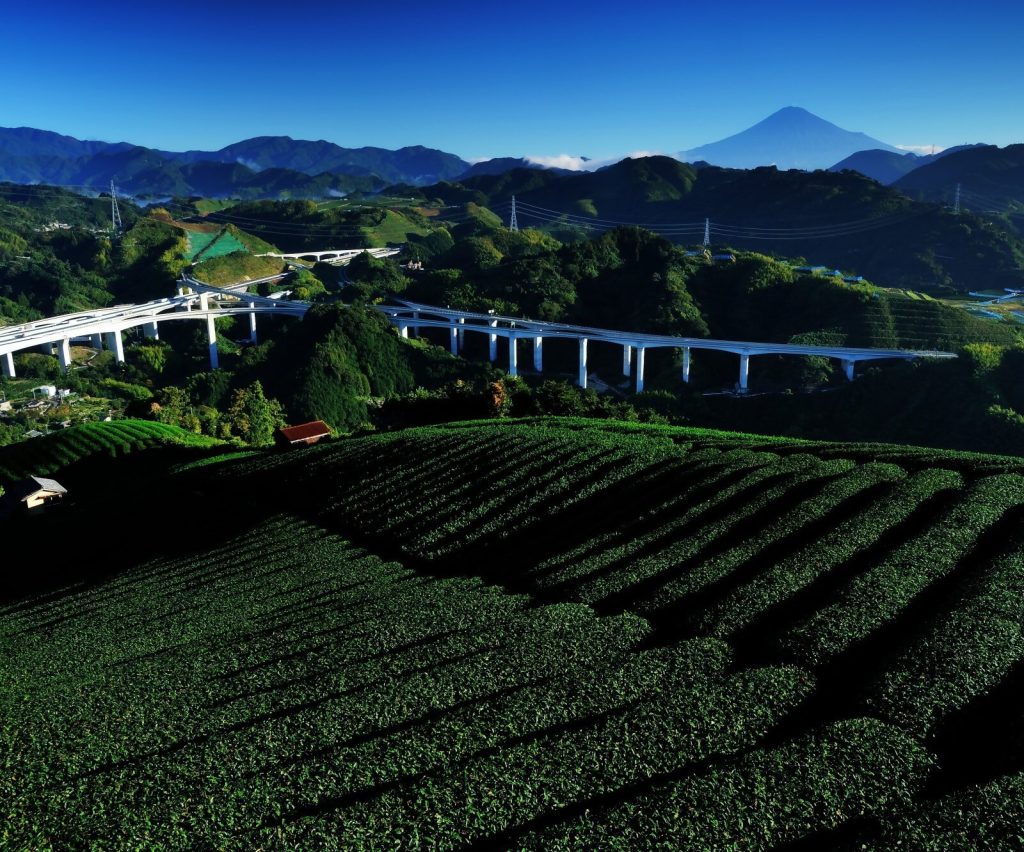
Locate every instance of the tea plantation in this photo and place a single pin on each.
(56, 451)
(531, 634)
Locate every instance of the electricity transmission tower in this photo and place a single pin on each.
(956, 202)
(707, 232)
(513, 225)
(115, 213)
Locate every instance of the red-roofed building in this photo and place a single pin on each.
(304, 433)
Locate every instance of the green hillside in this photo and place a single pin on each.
(633, 279)
(51, 453)
(304, 225)
(590, 635)
(24, 207)
(840, 220)
(394, 227)
(229, 268)
(991, 181)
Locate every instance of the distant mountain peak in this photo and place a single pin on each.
(789, 138)
(794, 112)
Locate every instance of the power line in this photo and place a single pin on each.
(753, 232)
(707, 228)
(115, 213)
(612, 222)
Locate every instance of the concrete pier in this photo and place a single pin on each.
(211, 336)
(64, 354)
(116, 345)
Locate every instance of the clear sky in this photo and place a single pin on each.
(517, 78)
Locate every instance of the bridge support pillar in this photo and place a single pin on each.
(462, 333)
(582, 380)
(46, 348)
(64, 354)
(493, 349)
(7, 364)
(403, 331)
(513, 360)
(455, 338)
(640, 369)
(848, 369)
(152, 330)
(252, 325)
(538, 354)
(116, 345)
(204, 301)
(415, 324)
(686, 364)
(627, 359)
(211, 336)
(97, 342)
(744, 371)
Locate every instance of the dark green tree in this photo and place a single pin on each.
(253, 417)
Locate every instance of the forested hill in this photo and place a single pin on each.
(57, 254)
(991, 182)
(889, 166)
(840, 220)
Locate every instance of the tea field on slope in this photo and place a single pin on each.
(48, 454)
(538, 634)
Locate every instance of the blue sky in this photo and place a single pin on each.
(517, 78)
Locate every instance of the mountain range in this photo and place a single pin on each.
(266, 166)
(282, 167)
(889, 166)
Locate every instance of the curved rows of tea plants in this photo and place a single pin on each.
(46, 455)
(291, 690)
(592, 635)
(892, 574)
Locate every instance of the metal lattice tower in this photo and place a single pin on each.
(115, 213)
(707, 232)
(956, 202)
(513, 225)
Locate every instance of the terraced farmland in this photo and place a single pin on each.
(50, 453)
(587, 636)
(913, 322)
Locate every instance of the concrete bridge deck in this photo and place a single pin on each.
(198, 301)
(412, 315)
